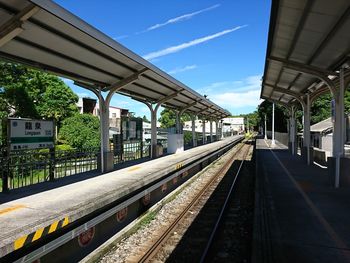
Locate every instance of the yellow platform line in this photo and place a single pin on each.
(10, 209)
(134, 168)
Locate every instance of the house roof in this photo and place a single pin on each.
(322, 126)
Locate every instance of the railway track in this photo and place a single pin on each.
(197, 239)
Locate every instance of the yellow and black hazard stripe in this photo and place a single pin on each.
(178, 166)
(27, 239)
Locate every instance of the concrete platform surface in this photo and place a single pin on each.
(299, 216)
(57, 207)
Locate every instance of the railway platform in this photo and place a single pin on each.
(299, 216)
(28, 219)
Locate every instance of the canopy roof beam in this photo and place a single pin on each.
(303, 68)
(13, 27)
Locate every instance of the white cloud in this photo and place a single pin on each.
(235, 94)
(178, 70)
(237, 99)
(249, 83)
(194, 42)
(181, 18)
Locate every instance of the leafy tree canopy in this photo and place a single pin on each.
(80, 131)
(144, 118)
(265, 109)
(168, 118)
(30, 93)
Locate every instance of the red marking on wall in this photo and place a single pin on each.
(164, 187)
(122, 214)
(85, 238)
(175, 179)
(146, 199)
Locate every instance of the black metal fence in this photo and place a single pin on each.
(27, 167)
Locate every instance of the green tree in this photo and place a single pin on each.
(80, 131)
(281, 116)
(31, 93)
(321, 108)
(168, 118)
(144, 119)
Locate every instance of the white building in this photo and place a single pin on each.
(89, 105)
(199, 126)
(233, 125)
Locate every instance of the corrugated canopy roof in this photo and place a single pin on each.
(305, 37)
(41, 34)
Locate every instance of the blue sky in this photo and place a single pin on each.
(215, 47)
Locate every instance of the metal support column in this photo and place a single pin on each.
(178, 122)
(273, 124)
(211, 130)
(292, 129)
(222, 129)
(203, 132)
(194, 139)
(104, 120)
(307, 128)
(338, 127)
(265, 137)
(217, 130)
(154, 132)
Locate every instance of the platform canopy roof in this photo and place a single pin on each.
(308, 41)
(43, 35)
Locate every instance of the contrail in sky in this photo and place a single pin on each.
(181, 18)
(194, 42)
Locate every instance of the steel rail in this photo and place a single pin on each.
(156, 246)
(223, 209)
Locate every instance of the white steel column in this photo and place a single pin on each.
(222, 129)
(178, 123)
(153, 133)
(194, 139)
(338, 128)
(292, 130)
(265, 137)
(307, 128)
(203, 132)
(217, 130)
(211, 130)
(104, 120)
(273, 124)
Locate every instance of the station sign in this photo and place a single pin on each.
(333, 110)
(30, 134)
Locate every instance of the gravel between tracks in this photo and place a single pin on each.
(129, 249)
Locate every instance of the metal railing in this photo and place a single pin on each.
(26, 167)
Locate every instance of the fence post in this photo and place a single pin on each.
(52, 164)
(5, 170)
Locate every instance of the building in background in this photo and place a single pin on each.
(90, 105)
(233, 125)
(199, 126)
